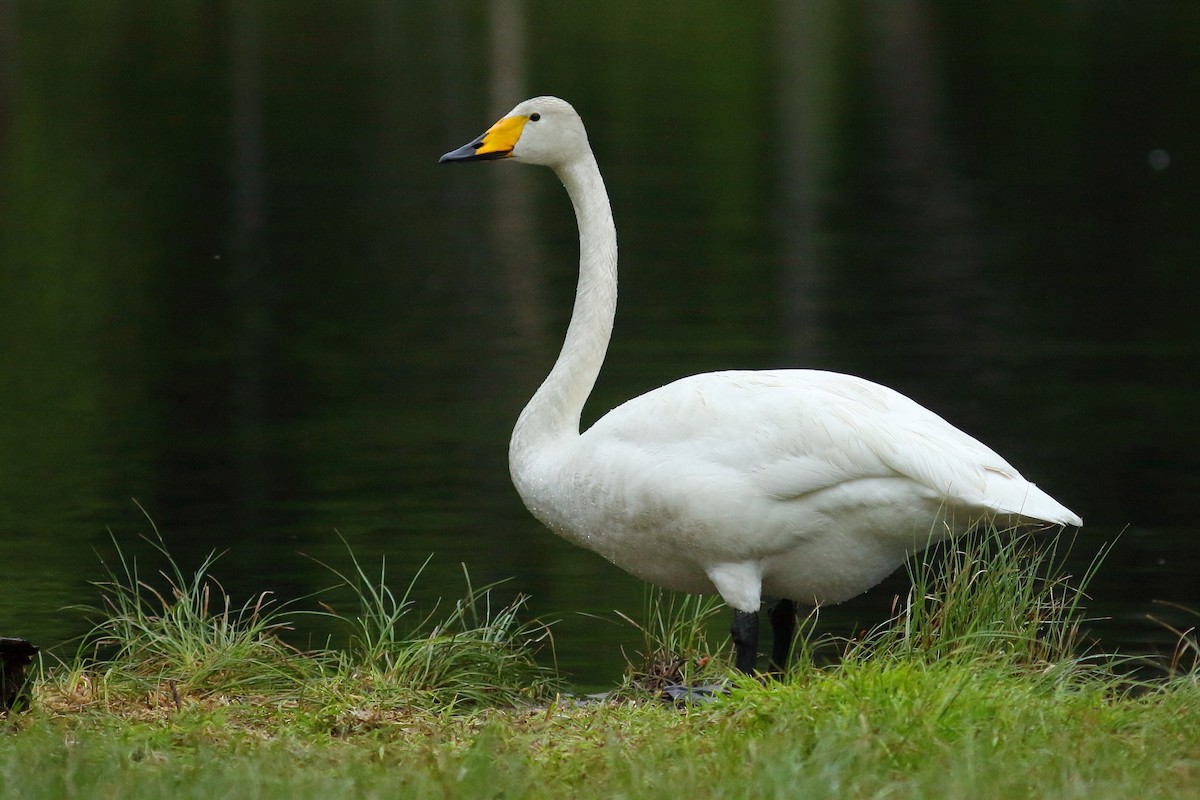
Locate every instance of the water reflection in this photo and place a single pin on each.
(237, 286)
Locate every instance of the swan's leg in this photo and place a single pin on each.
(783, 630)
(745, 640)
(740, 585)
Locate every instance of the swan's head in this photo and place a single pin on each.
(544, 130)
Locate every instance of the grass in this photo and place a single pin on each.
(475, 654)
(978, 688)
(992, 595)
(675, 646)
(188, 636)
(177, 640)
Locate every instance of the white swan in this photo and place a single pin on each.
(798, 484)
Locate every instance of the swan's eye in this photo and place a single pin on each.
(534, 117)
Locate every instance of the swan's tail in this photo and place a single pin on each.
(1031, 504)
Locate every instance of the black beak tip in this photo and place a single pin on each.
(468, 153)
(464, 153)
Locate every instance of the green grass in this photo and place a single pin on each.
(978, 688)
(990, 596)
(867, 730)
(675, 648)
(176, 640)
(187, 636)
(474, 654)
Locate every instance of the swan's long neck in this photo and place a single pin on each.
(553, 412)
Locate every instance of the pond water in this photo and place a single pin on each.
(239, 292)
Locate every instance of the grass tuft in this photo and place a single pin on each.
(176, 639)
(675, 646)
(990, 595)
(1185, 657)
(477, 653)
(187, 636)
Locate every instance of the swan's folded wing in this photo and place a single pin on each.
(789, 433)
(799, 431)
(801, 476)
(876, 432)
(792, 433)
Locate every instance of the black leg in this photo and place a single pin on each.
(783, 630)
(745, 640)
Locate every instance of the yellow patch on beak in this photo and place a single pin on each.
(502, 137)
(498, 142)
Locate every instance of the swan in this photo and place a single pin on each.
(803, 485)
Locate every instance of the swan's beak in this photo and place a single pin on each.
(498, 142)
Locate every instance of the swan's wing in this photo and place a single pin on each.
(793, 433)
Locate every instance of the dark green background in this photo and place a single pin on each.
(236, 286)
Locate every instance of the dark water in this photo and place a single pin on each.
(236, 286)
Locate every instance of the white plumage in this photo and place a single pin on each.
(799, 484)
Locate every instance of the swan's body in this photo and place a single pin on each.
(799, 484)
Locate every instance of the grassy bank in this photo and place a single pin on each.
(863, 731)
(978, 688)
